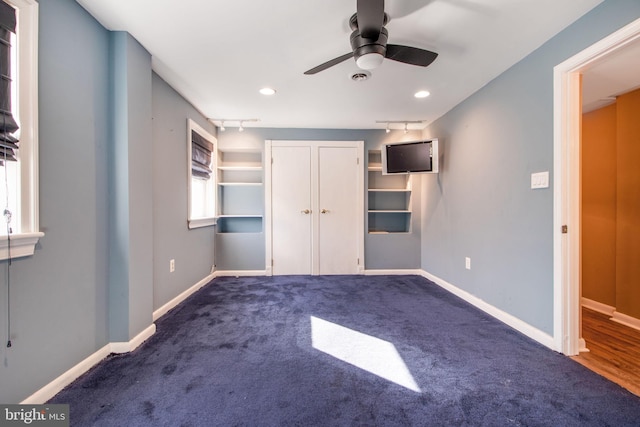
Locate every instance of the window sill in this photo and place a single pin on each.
(202, 222)
(22, 245)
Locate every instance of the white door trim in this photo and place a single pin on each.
(566, 187)
(359, 145)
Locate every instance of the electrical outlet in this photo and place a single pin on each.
(172, 265)
(467, 263)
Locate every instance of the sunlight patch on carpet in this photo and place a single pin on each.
(372, 354)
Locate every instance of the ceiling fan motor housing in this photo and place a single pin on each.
(362, 46)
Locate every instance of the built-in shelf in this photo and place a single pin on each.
(240, 190)
(240, 184)
(240, 168)
(389, 199)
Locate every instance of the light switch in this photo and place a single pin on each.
(540, 180)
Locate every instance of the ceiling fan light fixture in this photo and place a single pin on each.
(370, 61)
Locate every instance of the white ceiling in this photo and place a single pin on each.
(613, 75)
(218, 54)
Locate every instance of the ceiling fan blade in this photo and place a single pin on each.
(410, 55)
(331, 63)
(370, 15)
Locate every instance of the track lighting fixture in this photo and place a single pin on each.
(406, 124)
(241, 122)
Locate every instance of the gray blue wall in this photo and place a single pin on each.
(59, 296)
(481, 205)
(192, 249)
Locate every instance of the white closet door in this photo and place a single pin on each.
(292, 210)
(338, 210)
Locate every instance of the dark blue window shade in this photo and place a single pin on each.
(201, 150)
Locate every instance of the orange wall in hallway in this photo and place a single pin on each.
(599, 205)
(628, 205)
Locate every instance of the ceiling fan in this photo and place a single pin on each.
(369, 41)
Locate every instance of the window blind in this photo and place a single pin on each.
(8, 125)
(201, 150)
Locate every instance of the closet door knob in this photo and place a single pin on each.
(306, 211)
(324, 211)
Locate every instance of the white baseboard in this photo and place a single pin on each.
(415, 272)
(55, 386)
(183, 296)
(597, 306)
(626, 320)
(230, 273)
(517, 324)
(582, 346)
(127, 346)
(608, 310)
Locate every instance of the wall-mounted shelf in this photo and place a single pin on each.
(240, 184)
(389, 199)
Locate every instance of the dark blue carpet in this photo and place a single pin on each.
(239, 353)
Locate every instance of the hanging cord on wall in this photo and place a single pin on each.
(7, 216)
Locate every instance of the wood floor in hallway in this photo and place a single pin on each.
(614, 350)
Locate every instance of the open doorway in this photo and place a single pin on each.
(589, 80)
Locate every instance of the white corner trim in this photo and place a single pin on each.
(410, 272)
(127, 346)
(23, 244)
(183, 296)
(512, 321)
(626, 320)
(229, 273)
(597, 306)
(55, 386)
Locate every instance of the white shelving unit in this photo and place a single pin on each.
(389, 199)
(240, 190)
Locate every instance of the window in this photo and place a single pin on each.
(202, 176)
(22, 175)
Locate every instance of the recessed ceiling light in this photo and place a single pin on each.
(422, 94)
(267, 91)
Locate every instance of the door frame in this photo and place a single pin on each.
(567, 185)
(359, 145)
